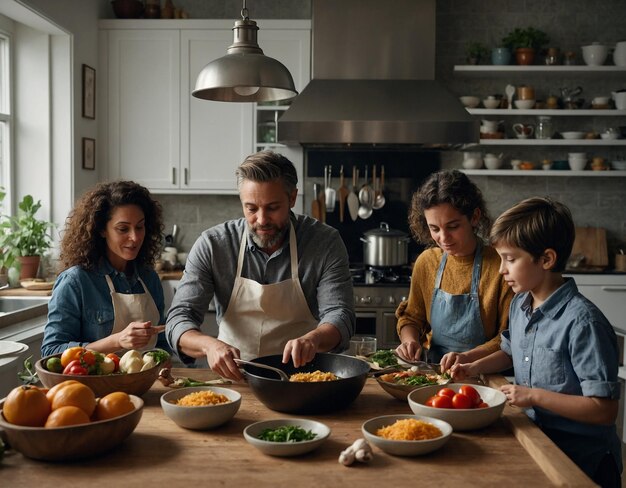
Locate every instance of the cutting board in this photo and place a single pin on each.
(591, 243)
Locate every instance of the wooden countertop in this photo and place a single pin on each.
(513, 451)
(23, 292)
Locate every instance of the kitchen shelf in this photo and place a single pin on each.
(505, 71)
(552, 142)
(541, 172)
(556, 113)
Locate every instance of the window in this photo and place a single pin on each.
(5, 110)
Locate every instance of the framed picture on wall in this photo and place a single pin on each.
(89, 153)
(89, 92)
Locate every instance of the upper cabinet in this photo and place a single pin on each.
(154, 131)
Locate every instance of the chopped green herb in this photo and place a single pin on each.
(287, 433)
(384, 357)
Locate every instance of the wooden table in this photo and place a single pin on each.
(511, 452)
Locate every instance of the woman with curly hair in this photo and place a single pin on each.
(458, 303)
(108, 296)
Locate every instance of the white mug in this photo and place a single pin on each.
(620, 100)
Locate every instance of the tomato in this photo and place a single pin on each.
(449, 392)
(26, 405)
(113, 405)
(442, 402)
(461, 401)
(68, 415)
(73, 393)
(88, 358)
(482, 405)
(429, 402)
(70, 354)
(74, 367)
(116, 360)
(471, 393)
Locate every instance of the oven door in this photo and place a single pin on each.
(366, 323)
(380, 323)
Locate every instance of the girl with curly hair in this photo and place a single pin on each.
(458, 302)
(108, 296)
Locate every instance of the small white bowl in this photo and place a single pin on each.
(252, 432)
(524, 104)
(491, 103)
(609, 135)
(202, 417)
(492, 163)
(577, 164)
(470, 102)
(405, 448)
(573, 134)
(619, 165)
(460, 419)
(595, 54)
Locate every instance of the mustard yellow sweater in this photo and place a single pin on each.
(494, 294)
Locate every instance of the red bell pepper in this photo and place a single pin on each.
(76, 368)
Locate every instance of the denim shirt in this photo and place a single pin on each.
(211, 266)
(568, 346)
(81, 311)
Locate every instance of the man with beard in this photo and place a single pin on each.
(281, 281)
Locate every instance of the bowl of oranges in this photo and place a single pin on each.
(37, 421)
(98, 371)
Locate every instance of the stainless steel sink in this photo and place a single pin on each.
(17, 309)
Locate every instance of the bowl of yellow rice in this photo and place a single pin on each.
(201, 407)
(406, 435)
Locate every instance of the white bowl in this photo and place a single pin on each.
(492, 163)
(405, 448)
(609, 135)
(460, 419)
(491, 103)
(619, 165)
(524, 104)
(470, 102)
(577, 164)
(573, 134)
(252, 432)
(595, 54)
(202, 417)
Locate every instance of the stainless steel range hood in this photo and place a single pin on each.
(373, 79)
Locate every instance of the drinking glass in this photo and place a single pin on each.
(362, 346)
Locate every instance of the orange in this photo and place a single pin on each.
(26, 405)
(113, 405)
(70, 354)
(73, 393)
(68, 415)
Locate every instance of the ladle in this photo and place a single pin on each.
(279, 372)
(379, 201)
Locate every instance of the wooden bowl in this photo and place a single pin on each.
(73, 442)
(132, 383)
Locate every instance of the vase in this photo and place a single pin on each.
(29, 266)
(500, 55)
(524, 55)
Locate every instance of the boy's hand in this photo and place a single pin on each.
(519, 396)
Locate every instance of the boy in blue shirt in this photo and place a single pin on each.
(563, 350)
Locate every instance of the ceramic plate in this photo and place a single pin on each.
(10, 348)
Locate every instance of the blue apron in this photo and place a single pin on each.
(455, 319)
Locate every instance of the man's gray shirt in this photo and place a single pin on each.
(211, 266)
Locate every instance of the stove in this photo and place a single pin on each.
(377, 293)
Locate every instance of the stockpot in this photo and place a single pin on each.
(385, 247)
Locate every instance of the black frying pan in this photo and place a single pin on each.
(317, 397)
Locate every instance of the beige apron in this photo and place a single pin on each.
(134, 307)
(260, 319)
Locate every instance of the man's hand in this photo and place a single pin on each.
(301, 350)
(136, 335)
(220, 357)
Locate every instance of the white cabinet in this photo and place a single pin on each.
(156, 133)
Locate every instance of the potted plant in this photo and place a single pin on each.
(25, 238)
(525, 43)
(475, 52)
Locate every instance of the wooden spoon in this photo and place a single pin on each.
(343, 194)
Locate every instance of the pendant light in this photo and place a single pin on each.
(245, 74)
